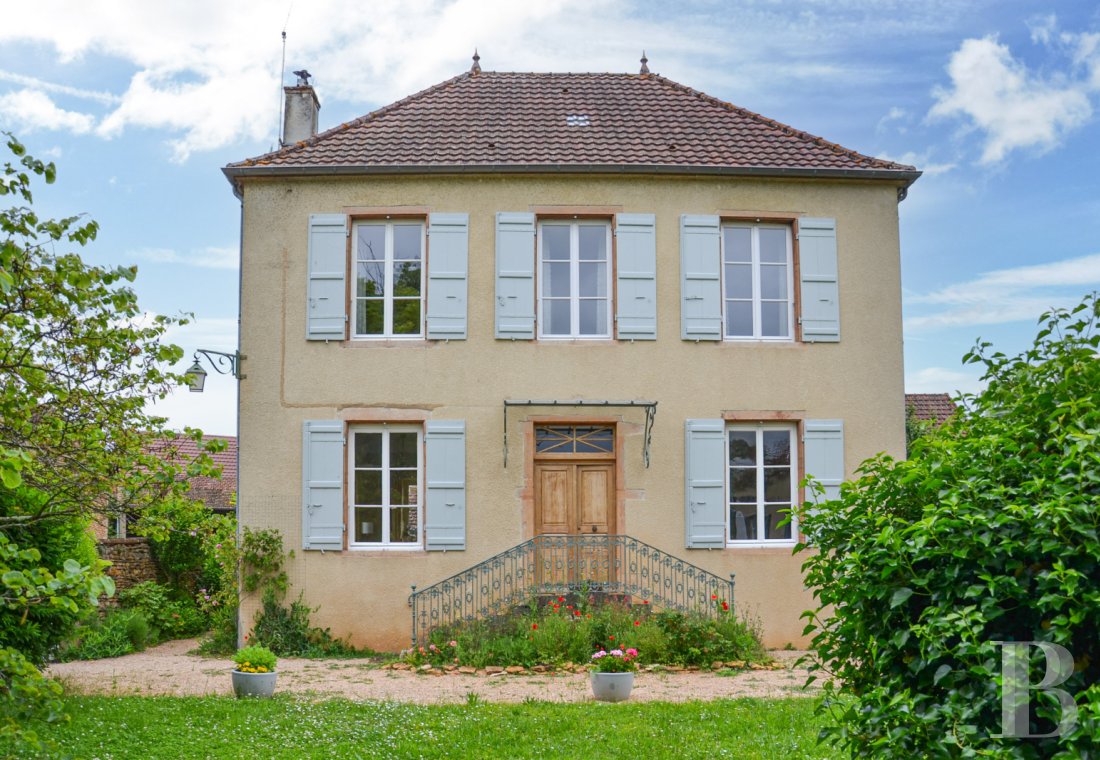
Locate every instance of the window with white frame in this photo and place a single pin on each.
(385, 470)
(757, 283)
(389, 279)
(763, 482)
(574, 279)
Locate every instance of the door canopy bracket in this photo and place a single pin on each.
(649, 406)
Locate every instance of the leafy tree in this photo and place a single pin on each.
(989, 533)
(79, 361)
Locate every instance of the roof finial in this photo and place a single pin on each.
(476, 68)
(645, 68)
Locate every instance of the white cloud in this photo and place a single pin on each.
(34, 83)
(942, 380)
(895, 114)
(211, 257)
(30, 110)
(1012, 106)
(922, 161)
(1007, 295)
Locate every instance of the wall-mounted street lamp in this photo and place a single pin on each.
(223, 364)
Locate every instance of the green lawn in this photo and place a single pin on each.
(217, 727)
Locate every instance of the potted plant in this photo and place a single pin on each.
(613, 674)
(254, 674)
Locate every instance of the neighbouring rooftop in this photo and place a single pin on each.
(931, 406)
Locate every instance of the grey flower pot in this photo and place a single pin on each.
(260, 685)
(612, 687)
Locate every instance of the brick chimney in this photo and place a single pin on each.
(300, 113)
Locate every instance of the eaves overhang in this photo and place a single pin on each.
(236, 173)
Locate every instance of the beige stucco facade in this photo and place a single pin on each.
(363, 594)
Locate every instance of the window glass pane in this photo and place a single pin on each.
(773, 281)
(556, 439)
(738, 243)
(742, 447)
(368, 449)
(777, 484)
(773, 245)
(370, 279)
(406, 317)
(556, 317)
(371, 243)
(777, 447)
(773, 515)
(738, 318)
(743, 485)
(403, 525)
(368, 525)
(368, 486)
(738, 280)
(403, 487)
(594, 317)
(773, 319)
(368, 317)
(406, 279)
(555, 278)
(593, 279)
(743, 522)
(555, 242)
(406, 241)
(592, 440)
(403, 450)
(593, 242)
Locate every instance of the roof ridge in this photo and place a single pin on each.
(777, 124)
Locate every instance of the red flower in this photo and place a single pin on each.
(714, 596)
(645, 601)
(561, 598)
(725, 606)
(610, 638)
(534, 626)
(636, 622)
(577, 613)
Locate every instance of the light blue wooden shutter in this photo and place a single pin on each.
(700, 278)
(515, 308)
(705, 471)
(326, 314)
(820, 294)
(323, 485)
(824, 451)
(445, 476)
(448, 243)
(636, 264)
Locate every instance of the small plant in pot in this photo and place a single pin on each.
(254, 672)
(613, 674)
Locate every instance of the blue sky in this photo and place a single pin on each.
(140, 104)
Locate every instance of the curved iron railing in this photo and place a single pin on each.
(559, 565)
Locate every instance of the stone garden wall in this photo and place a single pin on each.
(132, 561)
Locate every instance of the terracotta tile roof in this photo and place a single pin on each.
(931, 406)
(216, 493)
(552, 122)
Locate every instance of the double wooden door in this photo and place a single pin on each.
(575, 498)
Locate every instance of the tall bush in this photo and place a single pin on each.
(989, 533)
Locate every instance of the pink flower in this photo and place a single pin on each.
(632, 652)
(453, 643)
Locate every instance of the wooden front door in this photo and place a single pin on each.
(574, 497)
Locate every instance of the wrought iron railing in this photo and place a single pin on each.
(558, 565)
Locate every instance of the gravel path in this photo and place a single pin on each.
(171, 669)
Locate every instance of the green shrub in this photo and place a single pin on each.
(988, 534)
(171, 618)
(255, 659)
(120, 632)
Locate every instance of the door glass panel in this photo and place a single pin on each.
(743, 522)
(371, 244)
(368, 487)
(368, 449)
(593, 279)
(403, 450)
(406, 241)
(555, 242)
(773, 515)
(773, 245)
(773, 281)
(742, 447)
(368, 524)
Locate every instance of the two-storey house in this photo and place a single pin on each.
(519, 304)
